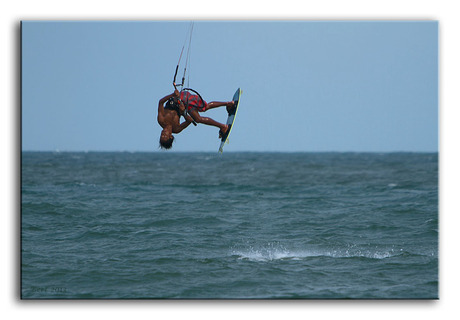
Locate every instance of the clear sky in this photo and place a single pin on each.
(307, 85)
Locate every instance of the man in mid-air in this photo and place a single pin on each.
(172, 106)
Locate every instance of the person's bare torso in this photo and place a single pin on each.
(169, 118)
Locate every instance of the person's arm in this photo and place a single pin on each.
(182, 126)
(163, 101)
(184, 114)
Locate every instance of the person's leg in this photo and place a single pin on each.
(208, 121)
(215, 104)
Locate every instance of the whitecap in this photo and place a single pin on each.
(274, 252)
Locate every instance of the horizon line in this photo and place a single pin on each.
(230, 151)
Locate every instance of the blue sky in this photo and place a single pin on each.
(307, 85)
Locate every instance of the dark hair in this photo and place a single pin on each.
(167, 144)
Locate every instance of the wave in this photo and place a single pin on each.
(276, 251)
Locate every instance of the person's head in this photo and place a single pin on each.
(166, 139)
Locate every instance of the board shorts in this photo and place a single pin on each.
(193, 101)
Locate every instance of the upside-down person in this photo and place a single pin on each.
(172, 106)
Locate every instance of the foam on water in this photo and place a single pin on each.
(276, 251)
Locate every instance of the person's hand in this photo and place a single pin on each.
(181, 107)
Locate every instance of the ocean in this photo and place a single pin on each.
(171, 225)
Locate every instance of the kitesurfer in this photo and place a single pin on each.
(172, 106)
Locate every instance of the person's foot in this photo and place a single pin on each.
(223, 133)
(231, 107)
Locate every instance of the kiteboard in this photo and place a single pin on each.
(231, 118)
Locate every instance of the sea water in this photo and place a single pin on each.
(166, 225)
